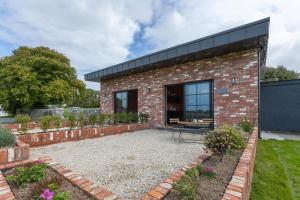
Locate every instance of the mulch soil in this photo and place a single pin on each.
(26, 192)
(214, 188)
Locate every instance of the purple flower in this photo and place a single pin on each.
(39, 161)
(47, 194)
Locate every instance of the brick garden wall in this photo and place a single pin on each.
(239, 188)
(33, 125)
(14, 154)
(41, 139)
(240, 101)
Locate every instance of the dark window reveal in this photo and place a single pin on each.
(126, 101)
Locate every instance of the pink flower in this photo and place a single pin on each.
(39, 161)
(47, 194)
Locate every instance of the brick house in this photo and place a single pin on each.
(213, 77)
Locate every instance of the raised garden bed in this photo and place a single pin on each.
(226, 180)
(56, 181)
(17, 153)
(52, 137)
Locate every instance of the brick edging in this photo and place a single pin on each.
(18, 153)
(53, 137)
(85, 185)
(239, 187)
(162, 190)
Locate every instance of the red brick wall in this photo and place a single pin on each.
(241, 100)
(14, 154)
(52, 137)
(239, 187)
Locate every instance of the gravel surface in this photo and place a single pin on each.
(129, 164)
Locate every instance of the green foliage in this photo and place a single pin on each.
(23, 119)
(57, 121)
(6, 138)
(81, 120)
(45, 122)
(37, 77)
(246, 125)
(102, 119)
(144, 117)
(132, 117)
(187, 186)
(279, 73)
(29, 174)
(110, 118)
(72, 120)
(53, 185)
(123, 117)
(88, 99)
(66, 113)
(92, 119)
(222, 140)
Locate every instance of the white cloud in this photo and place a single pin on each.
(181, 21)
(95, 34)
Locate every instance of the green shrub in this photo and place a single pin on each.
(220, 141)
(246, 125)
(6, 138)
(132, 117)
(72, 120)
(28, 174)
(66, 113)
(143, 117)
(187, 186)
(45, 122)
(81, 120)
(57, 121)
(237, 140)
(92, 119)
(123, 117)
(110, 118)
(102, 119)
(23, 119)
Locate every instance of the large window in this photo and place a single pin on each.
(126, 101)
(197, 100)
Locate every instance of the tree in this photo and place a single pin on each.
(89, 99)
(279, 73)
(37, 77)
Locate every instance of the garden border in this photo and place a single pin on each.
(162, 190)
(9, 155)
(85, 185)
(53, 137)
(239, 187)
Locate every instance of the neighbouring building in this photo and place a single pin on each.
(213, 77)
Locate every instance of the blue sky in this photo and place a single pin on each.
(95, 34)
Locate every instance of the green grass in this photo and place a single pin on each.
(277, 171)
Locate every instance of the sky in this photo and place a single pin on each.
(95, 34)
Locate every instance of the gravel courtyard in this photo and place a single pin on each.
(129, 164)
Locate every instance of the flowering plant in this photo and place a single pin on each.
(208, 171)
(47, 194)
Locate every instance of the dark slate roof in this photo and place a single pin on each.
(250, 35)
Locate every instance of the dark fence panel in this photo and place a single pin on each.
(280, 106)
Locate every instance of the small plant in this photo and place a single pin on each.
(57, 121)
(28, 174)
(123, 117)
(45, 122)
(66, 113)
(23, 119)
(132, 117)
(6, 138)
(111, 118)
(93, 119)
(144, 117)
(208, 172)
(48, 189)
(81, 120)
(72, 120)
(187, 186)
(246, 125)
(222, 140)
(102, 119)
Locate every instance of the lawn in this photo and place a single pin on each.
(277, 171)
